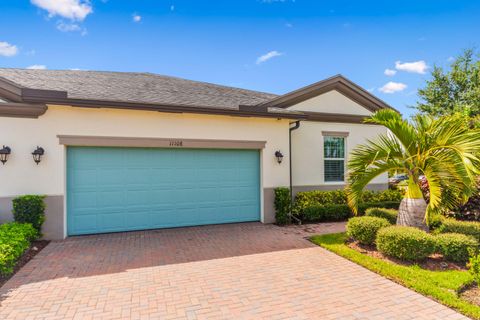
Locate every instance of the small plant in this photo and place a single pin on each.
(29, 209)
(474, 265)
(282, 205)
(364, 229)
(389, 214)
(15, 238)
(405, 243)
(455, 246)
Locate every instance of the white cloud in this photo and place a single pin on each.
(7, 49)
(371, 89)
(68, 27)
(267, 56)
(37, 67)
(136, 17)
(413, 67)
(451, 59)
(392, 87)
(390, 72)
(76, 10)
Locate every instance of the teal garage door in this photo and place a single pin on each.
(122, 189)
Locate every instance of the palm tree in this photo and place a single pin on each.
(444, 150)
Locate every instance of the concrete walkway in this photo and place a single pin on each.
(238, 271)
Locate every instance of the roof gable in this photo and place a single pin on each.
(331, 102)
(338, 83)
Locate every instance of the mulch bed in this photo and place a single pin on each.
(28, 255)
(432, 263)
(471, 294)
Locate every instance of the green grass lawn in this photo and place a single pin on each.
(439, 285)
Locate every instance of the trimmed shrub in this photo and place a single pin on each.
(455, 246)
(474, 265)
(307, 199)
(29, 209)
(464, 227)
(364, 229)
(405, 243)
(282, 205)
(15, 238)
(389, 214)
(340, 212)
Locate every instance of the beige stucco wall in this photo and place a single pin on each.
(307, 141)
(331, 102)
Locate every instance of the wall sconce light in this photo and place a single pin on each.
(37, 154)
(4, 153)
(279, 156)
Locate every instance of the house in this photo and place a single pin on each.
(134, 151)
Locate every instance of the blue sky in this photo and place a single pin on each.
(270, 45)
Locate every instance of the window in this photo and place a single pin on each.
(334, 158)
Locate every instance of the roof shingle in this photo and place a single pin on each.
(135, 87)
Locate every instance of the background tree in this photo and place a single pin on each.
(454, 90)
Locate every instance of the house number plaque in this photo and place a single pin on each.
(176, 143)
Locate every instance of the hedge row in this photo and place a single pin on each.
(307, 199)
(341, 212)
(15, 238)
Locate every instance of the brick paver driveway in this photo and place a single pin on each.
(240, 271)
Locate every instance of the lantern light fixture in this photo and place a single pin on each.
(4, 153)
(279, 156)
(37, 154)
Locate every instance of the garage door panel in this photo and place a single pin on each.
(137, 219)
(83, 200)
(84, 223)
(162, 176)
(113, 198)
(107, 177)
(111, 221)
(137, 197)
(82, 177)
(119, 189)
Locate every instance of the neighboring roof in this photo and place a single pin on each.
(147, 91)
(337, 82)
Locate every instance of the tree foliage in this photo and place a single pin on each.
(454, 90)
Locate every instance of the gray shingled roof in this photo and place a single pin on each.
(135, 87)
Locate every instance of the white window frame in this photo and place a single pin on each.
(344, 136)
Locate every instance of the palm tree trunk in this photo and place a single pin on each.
(412, 213)
(413, 208)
